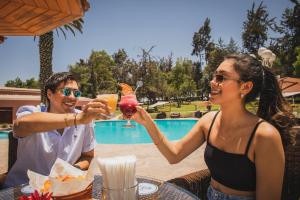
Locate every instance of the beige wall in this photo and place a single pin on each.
(15, 97)
(15, 104)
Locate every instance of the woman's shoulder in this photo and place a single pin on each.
(207, 118)
(266, 134)
(209, 115)
(266, 129)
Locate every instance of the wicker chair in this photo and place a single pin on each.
(198, 182)
(291, 182)
(12, 155)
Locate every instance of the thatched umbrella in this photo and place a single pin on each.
(36, 17)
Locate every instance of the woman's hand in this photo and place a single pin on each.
(97, 108)
(142, 117)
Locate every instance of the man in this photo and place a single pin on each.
(60, 132)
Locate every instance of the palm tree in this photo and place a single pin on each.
(46, 50)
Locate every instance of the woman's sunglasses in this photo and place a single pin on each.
(67, 92)
(219, 78)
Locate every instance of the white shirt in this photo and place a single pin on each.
(39, 151)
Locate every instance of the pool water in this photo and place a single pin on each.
(112, 132)
(3, 135)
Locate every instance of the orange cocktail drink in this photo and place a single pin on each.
(111, 99)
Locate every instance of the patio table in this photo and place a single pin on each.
(165, 191)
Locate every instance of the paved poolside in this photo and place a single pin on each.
(3, 155)
(149, 160)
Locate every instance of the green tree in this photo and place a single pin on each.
(284, 47)
(102, 64)
(197, 75)
(120, 71)
(232, 47)
(181, 80)
(216, 56)
(32, 83)
(297, 62)
(95, 74)
(46, 51)
(81, 71)
(201, 39)
(161, 85)
(18, 83)
(154, 82)
(256, 27)
(125, 70)
(147, 70)
(166, 63)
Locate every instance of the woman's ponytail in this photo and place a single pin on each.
(273, 107)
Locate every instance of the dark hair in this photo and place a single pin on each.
(54, 81)
(272, 106)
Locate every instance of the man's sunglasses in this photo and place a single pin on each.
(219, 78)
(67, 92)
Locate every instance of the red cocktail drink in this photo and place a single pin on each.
(128, 105)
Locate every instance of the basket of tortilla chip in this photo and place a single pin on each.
(64, 181)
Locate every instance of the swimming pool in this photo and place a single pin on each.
(3, 135)
(112, 132)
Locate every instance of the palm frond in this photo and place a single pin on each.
(57, 32)
(70, 29)
(62, 30)
(74, 26)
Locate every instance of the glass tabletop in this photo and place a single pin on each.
(164, 191)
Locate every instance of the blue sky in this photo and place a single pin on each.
(132, 25)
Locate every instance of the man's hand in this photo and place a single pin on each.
(84, 161)
(97, 108)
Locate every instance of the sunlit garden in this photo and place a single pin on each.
(70, 97)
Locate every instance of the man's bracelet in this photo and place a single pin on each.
(66, 120)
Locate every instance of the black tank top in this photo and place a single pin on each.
(233, 170)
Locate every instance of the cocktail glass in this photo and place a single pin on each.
(112, 100)
(128, 105)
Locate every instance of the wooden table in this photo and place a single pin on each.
(166, 191)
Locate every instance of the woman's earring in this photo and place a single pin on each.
(242, 95)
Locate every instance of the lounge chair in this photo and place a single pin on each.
(198, 182)
(175, 115)
(161, 115)
(198, 114)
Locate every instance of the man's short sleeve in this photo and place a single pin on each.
(25, 110)
(89, 142)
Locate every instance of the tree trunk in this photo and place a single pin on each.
(45, 49)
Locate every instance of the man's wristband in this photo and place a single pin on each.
(66, 120)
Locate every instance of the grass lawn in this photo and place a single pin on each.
(188, 109)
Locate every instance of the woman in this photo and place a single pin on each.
(244, 152)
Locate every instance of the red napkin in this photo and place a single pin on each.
(37, 196)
